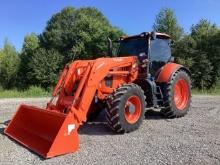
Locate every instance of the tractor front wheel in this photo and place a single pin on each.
(177, 95)
(126, 108)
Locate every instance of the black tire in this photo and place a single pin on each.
(170, 109)
(116, 111)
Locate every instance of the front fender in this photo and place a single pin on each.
(166, 72)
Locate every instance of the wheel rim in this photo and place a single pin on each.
(181, 94)
(132, 109)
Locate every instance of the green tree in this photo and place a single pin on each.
(30, 45)
(200, 51)
(79, 33)
(69, 34)
(45, 65)
(9, 62)
(1, 54)
(187, 54)
(184, 51)
(202, 29)
(202, 71)
(207, 39)
(214, 55)
(166, 22)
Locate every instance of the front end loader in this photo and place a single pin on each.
(143, 76)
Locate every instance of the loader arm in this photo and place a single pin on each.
(88, 75)
(99, 71)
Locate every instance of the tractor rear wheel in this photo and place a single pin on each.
(177, 95)
(126, 108)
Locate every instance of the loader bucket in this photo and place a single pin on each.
(46, 132)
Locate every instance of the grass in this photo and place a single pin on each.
(212, 91)
(215, 91)
(32, 92)
(206, 92)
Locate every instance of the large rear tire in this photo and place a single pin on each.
(177, 95)
(126, 108)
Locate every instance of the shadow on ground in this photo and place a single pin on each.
(154, 115)
(100, 126)
(3, 125)
(2, 131)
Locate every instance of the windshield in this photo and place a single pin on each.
(133, 47)
(160, 50)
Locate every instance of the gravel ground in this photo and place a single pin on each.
(193, 139)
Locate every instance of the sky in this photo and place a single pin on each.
(21, 17)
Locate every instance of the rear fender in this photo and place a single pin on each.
(165, 73)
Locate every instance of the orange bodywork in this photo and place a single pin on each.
(166, 71)
(53, 131)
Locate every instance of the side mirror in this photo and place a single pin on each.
(109, 47)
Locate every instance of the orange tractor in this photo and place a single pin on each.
(142, 76)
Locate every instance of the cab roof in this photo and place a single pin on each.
(146, 34)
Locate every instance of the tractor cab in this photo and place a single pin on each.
(152, 49)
